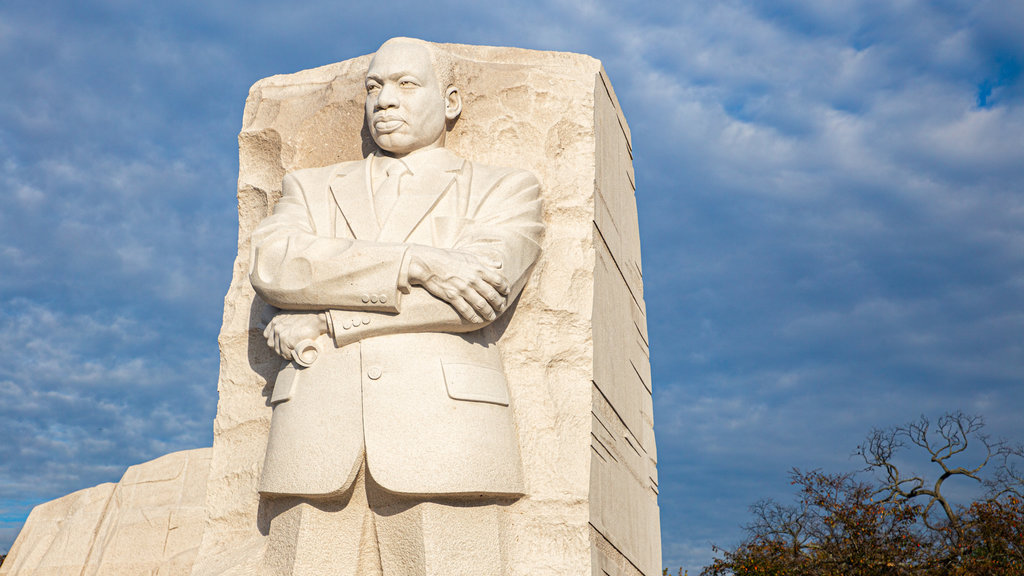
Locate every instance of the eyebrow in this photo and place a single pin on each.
(400, 74)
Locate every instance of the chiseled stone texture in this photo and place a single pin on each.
(151, 522)
(58, 535)
(575, 349)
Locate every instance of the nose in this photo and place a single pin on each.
(387, 97)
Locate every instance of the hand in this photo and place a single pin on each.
(474, 288)
(287, 329)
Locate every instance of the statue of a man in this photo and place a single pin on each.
(395, 450)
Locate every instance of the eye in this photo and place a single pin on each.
(372, 87)
(408, 83)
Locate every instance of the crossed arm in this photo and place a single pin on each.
(322, 283)
(450, 292)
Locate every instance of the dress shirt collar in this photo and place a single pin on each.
(439, 158)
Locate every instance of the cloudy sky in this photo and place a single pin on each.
(831, 198)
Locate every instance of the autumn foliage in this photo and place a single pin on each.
(893, 524)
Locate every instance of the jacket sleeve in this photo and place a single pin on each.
(294, 268)
(503, 226)
(506, 225)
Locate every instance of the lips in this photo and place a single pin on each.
(387, 124)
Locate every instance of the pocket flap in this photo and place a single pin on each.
(284, 386)
(475, 383)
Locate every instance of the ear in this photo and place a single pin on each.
(452, 103)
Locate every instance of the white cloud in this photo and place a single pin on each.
(85, 393)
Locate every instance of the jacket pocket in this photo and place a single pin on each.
(475, 383)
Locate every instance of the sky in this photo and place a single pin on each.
(831, 200)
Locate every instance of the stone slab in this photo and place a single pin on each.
(580, 321)
(151, 522)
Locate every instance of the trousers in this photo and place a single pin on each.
(369, 531)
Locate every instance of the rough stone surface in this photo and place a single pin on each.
(151, 522)
(58, 535)
(575, 350)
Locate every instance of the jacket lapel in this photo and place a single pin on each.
(432, 176)
(350, 186)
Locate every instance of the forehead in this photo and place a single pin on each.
(401, 58)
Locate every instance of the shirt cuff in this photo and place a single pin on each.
(330, 323)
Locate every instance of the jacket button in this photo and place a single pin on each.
(374, 372)
(366, 298)
(383, 298)
(373, 298)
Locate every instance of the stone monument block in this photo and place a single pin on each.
(574, 347)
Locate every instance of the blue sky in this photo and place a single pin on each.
(831, 198)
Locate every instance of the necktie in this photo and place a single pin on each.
(387, 193)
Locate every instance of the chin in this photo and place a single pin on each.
(392, 145)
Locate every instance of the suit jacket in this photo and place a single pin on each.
(407, 382)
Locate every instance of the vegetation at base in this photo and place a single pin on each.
(901, 522)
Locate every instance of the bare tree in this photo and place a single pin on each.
(774, 520)
(1008, 479)
(947, 443)
(903, 522)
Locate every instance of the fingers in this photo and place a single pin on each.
(470, 283)
(483, 287)
(428, 264)
(492, 299)
(480, 305)
(275, 343)
(271, 334)
(467, 299)
(281, 346)
(466, 311)
(285, 331)
(495, 279)
(284, 347)
(448, 293)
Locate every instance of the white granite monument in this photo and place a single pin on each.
(434, 349)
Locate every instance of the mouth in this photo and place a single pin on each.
(387, 124)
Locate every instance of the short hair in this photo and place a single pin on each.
(441, 59)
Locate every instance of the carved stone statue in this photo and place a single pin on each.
(392, 440)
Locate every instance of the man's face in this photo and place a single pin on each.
(405, 106)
